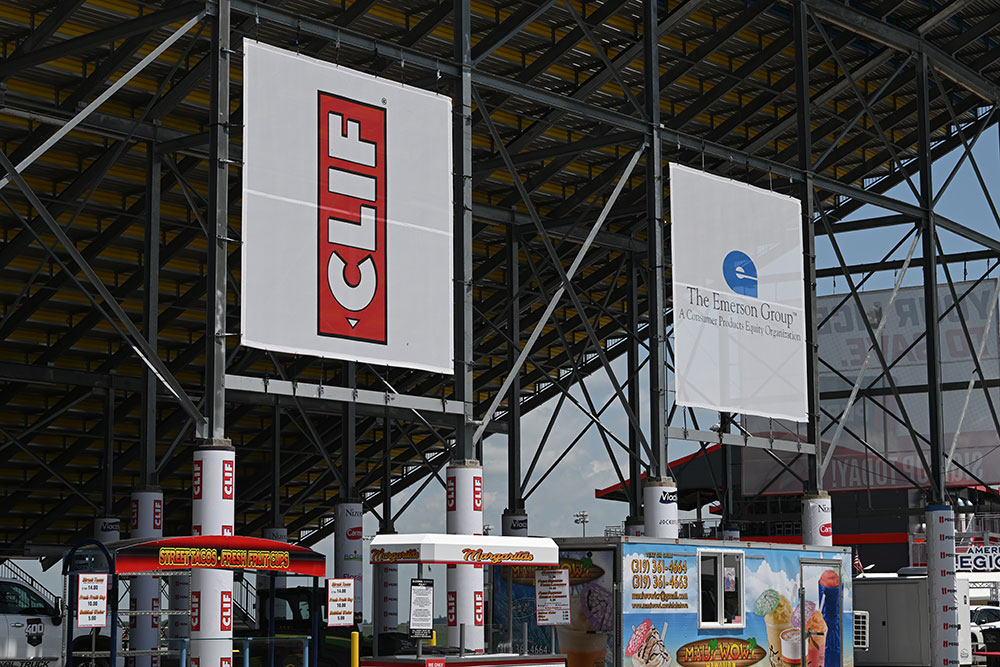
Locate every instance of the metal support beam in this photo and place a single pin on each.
(633, 387)
(656, 278)
(903, 40)
(465, 443)
(277, 518)
(515, 500)
(109, 451)
(800, 30)
(218, 221)
(150, 316)
(348, 436)
(935, 425)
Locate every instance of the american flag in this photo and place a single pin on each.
(858, 567)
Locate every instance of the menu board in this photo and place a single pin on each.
(92, 601)
(421, 608)
(339, 602)
(552, 596)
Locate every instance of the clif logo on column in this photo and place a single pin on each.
(135, 514)
(226, 662)
(195, 611)
(226, 614)
(227, 531)
(477, 600)
(452, 619)
(196, 529)
(352, 214)
(228, 479)
(196, 481)
(158, 514)
(477, 494)
(154, 619)
(450, 494)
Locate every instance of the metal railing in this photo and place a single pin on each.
(11, 570)
(245, 599)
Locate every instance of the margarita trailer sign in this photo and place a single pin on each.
(464, 549)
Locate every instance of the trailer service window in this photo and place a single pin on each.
(720, 589)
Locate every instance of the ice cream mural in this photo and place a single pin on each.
(706, 606)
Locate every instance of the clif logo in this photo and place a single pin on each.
(477, 607)
(477, 494)
(135, 514)
(452, 618)
(157, 514)
(195, 610)
(352, 215)
(740, 273)
(228, 479)
(196, 481)
(226, 613)
(450, 494)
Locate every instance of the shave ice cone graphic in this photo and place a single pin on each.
(777, 613)
(646, 648)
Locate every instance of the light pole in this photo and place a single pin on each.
(583, 519)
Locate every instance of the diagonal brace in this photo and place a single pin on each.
(121, 320)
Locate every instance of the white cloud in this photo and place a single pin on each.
(765, 578)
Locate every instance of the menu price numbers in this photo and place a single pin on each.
(659, 581)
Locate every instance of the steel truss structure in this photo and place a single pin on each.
(121, 126)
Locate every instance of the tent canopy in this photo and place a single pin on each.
(455, 549)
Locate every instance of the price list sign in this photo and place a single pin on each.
(92, 601)
(421, 608)
(552, 596)
(656, 580)
(339, 602)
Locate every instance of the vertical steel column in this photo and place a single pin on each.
(213, 481)
(728, 527)
(218, 221)
(515, 519)
(150, 315)
(277, 519)
(654, 226)
(349, 435)
(462, 146)
(940, 516)
(929, 245)
(816, 507)
(109, 451)
(634, 399)
(385, 587)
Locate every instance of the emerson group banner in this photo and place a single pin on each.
(347, 214)
(739, 318)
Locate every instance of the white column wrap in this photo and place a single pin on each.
(942, 591)
(466, 602)
(386, 597)
(348, 550)
(634, 528)
(659, 508)
(731, 534)
(515, 523)
(817, 520)
(144, 592)
(213, 492)
(107, 529)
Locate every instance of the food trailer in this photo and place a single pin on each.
(464, 550)
(644, 602)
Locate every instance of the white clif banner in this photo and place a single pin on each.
(739, 302)
(92, 601)
(552, 596)
(339, 602)
(347, 214)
